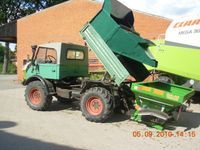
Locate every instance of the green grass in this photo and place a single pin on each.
(11, 68)
(96, 75)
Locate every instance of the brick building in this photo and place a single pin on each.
(61, 23)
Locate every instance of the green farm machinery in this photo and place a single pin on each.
(155, 102)
(61, 70)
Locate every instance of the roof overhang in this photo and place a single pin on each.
(8, 32)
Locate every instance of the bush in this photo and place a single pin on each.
(11, 68)
(1, 53)
(96, 75)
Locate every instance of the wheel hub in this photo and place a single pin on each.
(35, 96)
(94, 106)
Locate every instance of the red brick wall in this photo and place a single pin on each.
(62, 23)
(150, 26)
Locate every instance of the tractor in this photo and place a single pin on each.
(61, 70)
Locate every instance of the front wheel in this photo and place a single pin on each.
(97, 104)
(37, 97)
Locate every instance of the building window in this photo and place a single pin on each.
(46, 55)
(75, 54)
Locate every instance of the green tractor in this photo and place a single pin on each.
(61, 70)
(56, 70)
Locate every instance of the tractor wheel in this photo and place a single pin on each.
(36, 96)
(165, 78)
(96, 104)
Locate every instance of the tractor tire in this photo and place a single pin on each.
(165, 78)
(36, 96)
(96, 104)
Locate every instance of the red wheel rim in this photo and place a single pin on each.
(35, 96)
(94, 106)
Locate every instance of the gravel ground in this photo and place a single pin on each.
(9, 82)
(64, 128)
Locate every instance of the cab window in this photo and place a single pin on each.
(46, 55)
(75, 54)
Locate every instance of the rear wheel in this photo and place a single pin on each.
(97, 104)
(37, 97)
(165, 78)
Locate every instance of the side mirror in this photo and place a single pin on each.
(34, 47)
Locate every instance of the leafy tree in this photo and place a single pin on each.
(14, 9)
(1, 53)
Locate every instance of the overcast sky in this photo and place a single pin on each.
(168, 8)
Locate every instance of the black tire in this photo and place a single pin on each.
(165, 78)
(104, 100)
(37, 97)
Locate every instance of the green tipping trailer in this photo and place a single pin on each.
(61, 70)
(112, 31)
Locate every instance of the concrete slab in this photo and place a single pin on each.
(9, 82)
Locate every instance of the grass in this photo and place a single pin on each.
(11, 68)
(96, 75)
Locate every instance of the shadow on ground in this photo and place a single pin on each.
(58, 106)
(118, 117)
(196, 98)
(10, 141)
(74, 106)
(187, 120)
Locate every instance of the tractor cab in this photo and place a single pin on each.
(58, 61)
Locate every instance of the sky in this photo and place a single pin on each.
(171, 9)
(12, 46)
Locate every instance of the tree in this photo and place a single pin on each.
(14, 9)
(11, 10)
(1, 53)
(6, 59)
